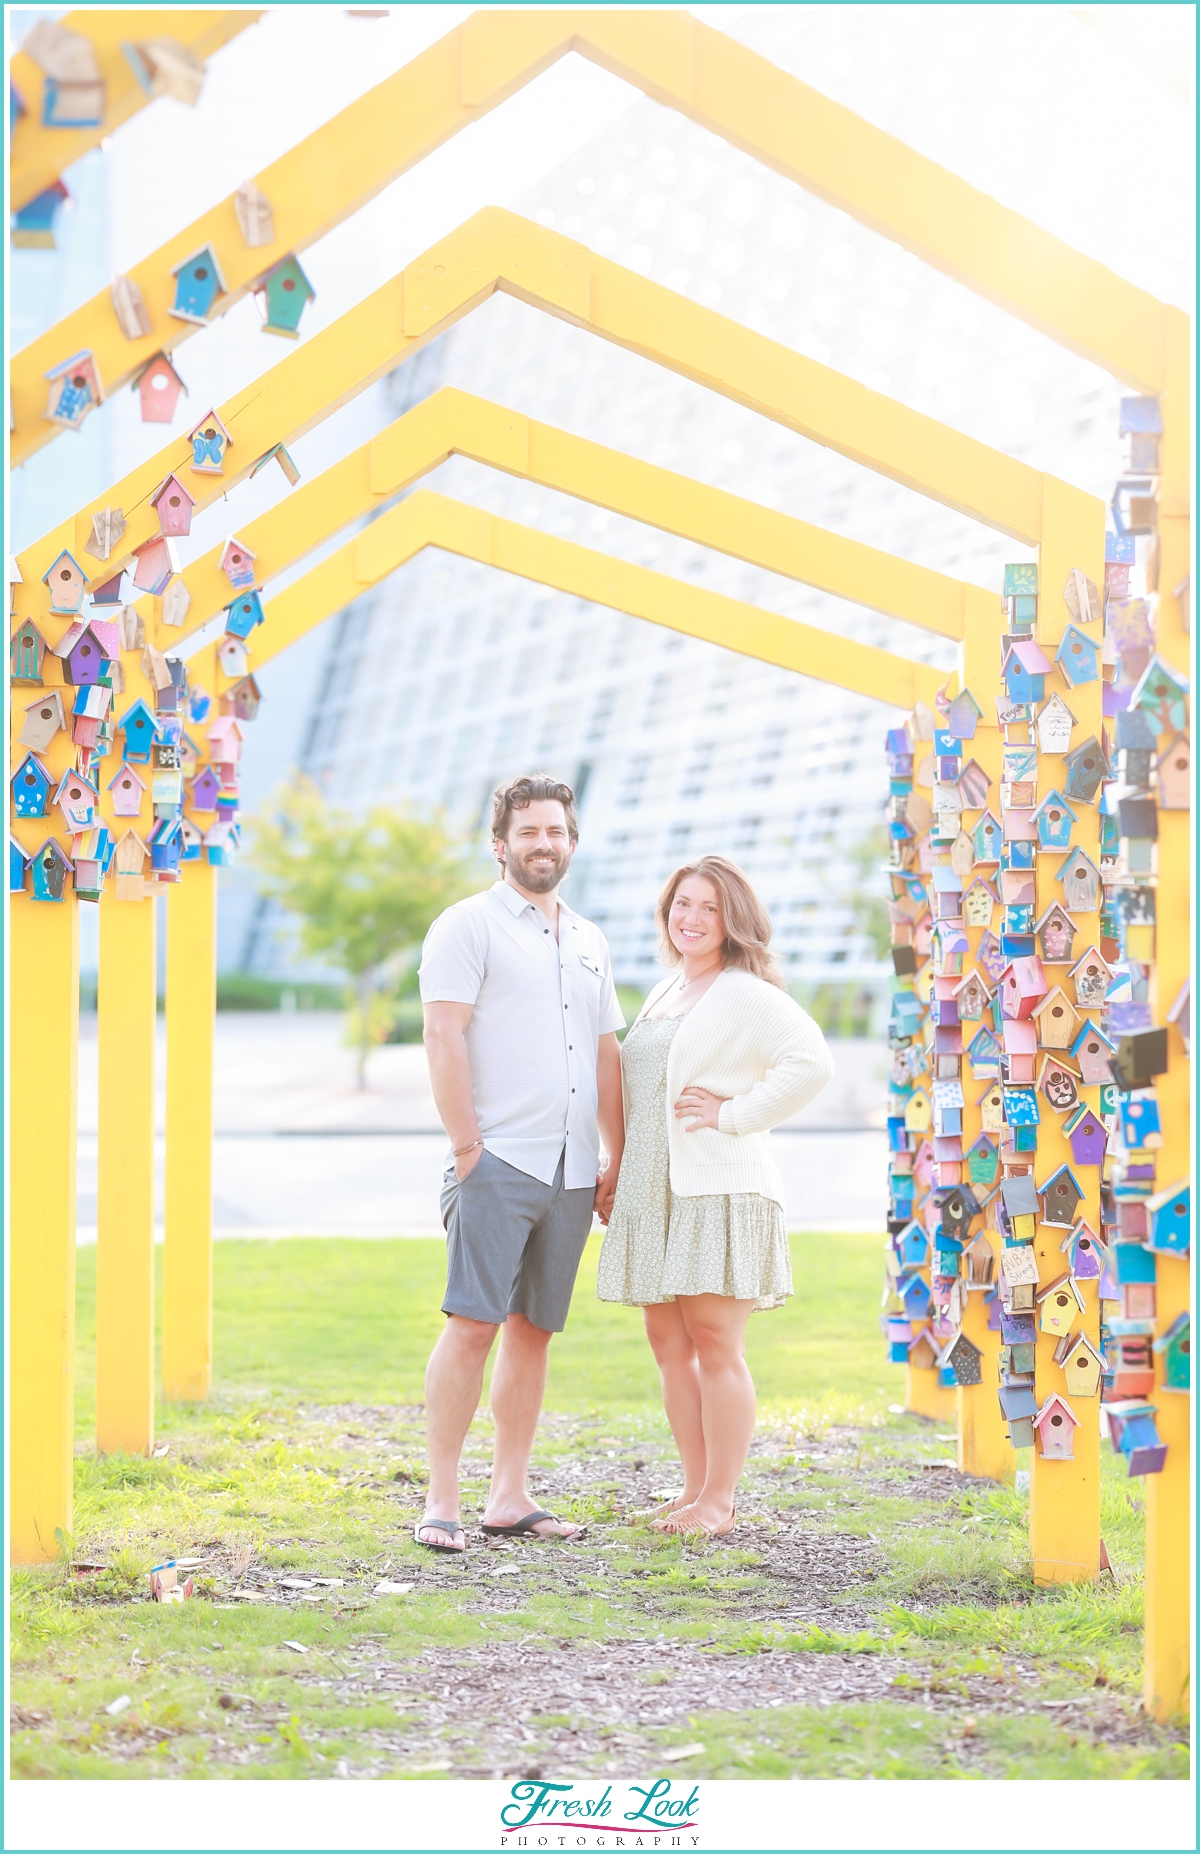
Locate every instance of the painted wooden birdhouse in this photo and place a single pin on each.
(1055, 932)
(34, 223)
(1173, 768)
(1026, 667)
(158, 387)
(1021, 579)
(1140, 1055)
(987, 837)
(1169, 1214)
(1056, 1424)
(983, 1165)
(282, 298)
(1020, 1407)
(76, 799)
(916, 1296)
(75, 390)
(983, 1054)
(991, 1108)
(126, 787)
(978, 904)
(43, 719)
(1077, 656)
(1054, 724)
(26, 648)
(1054, 820)
(205, 787)
(965, 1360)
(1022, 986)
(85, 650)
(1081, 1363)
(971, 997)
(109, 593)
(1141, 1123)
(922, 1353)
(157, 562)
(1161, 692)
(1082, 1249)
(1059, 1306)
(912, 1247)
(198, 283)
(165, 844)
(243, 700)
(242, 616)
(18, 867)
(31, 788)
(50, 867)
(140, 730)
(1057, 1020)
(1174, 1349)
(1091, 976)
(66, 583)
(233, 656)
(224, 736)
(1085, 767)
(1080, 880)
(973, 785)
(209, 441)
(237, 563)
(174, 506)
(1059, 1084)
(963, 716)
(1060, 1196)
(1087, 1136)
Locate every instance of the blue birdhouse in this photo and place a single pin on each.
(165, 843)
(916, 1297)
(1086, 767)
(1169, 1215)
(1021, 1108)
(1054, 818)
(1174, 1347)
(198, 283)
(963, 715)
(282, 298)
(1076, 656)
(33, 223)
(51, 866)
(31, 787)
(17, 867)
(242, 616)
(987, 838)
(913, 1247)
(1025, 670)
(75, 390)
(140, 730)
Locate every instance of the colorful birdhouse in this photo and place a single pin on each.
(1085, 768)
(963, 715)
(971, 997)
(1169, 1214)
(221, 847)
(983, 1054)
(1060, 1196)
(87, 650)
(1174, 1349)
(1026, 667)
(129, 863)
(912, 1247)
(18, 867)
(158, 387)
(1054, 724)
(174, 506)
(1161, 692)
(243, 700)
(1021, 579)
(165, 844)
(987, 838)
(915, 1294)
(1057, 1020)
(26, 648)
(978, 904)
(140, 730)
(1080, 880)
(34, 223)
(75, 390)
(1020, 1107)
(198, 283)
(109, 593)
(241, 618)
(237, 563)
(1056, 1424)
(43, 719)
(1091, 976)
(76, 799)
(1135, 1435)
(1077, 656)
(1022, 986)
(1055, 932)
(225, 739)
(126, 787)
(73, 92)
(66, 583)
(50, 867)
(1091, 1050)
(205, 787)
(973, 785)
(1059, 1084)
(922, 1353)
(1082, 1249)
(983, 1165)
(31, 788)
(282, 297)
(1140, 1055)
(1054, 818)
(991, 1109)
(157, 561)
(1173, 769)
(1141, 1123)
(1020, 1406)
(209, 441)
(232, 656)
(964, 1358)
(1081, 1363)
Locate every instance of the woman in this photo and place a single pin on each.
(718, 1055)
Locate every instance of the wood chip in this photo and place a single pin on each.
(296, 1647)
(679, 1752)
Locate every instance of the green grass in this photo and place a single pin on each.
(308, 1461)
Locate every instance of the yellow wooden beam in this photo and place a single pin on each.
(499, 250)
(682, 64)
(39, 155)
(191, 1004)
(425, 519)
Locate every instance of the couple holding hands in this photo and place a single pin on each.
(521, 1017)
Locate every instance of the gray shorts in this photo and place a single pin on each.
(512, 1243)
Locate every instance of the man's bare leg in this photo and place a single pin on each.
(518, 1386)
(453, 1385)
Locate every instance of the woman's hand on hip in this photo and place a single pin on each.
(699, 1108)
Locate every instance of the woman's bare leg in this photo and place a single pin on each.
(675, 1356)
(716, 1327)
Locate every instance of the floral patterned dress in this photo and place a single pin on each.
(658, 1245)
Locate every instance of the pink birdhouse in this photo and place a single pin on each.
(157, 562)
(237, 564)
(174, 506)
(66, 583)
(1056, 1423)
(158, 387)
(1022, 984)
(76, 799)
(225, 738)
(127, 788)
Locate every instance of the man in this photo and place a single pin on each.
(520, 1029)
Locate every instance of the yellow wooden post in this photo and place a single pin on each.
(125, 1217)
(926, 1395)
(1064, 1499)
(43, 1056)
(1166, 1687)
(187, 1252)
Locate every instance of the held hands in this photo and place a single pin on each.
(606, 1191)
(699, 1108)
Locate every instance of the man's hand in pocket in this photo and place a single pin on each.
(467, 1163)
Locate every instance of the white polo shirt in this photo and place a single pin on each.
(540, 1009)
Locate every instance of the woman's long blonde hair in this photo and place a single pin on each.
(747, 923)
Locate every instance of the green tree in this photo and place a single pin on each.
(865, 897)
(365, 889)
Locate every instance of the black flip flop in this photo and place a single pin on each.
(450, 1526)
(527, 1525)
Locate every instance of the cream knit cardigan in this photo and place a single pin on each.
(749, 1042)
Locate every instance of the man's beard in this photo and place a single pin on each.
(538, 880)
